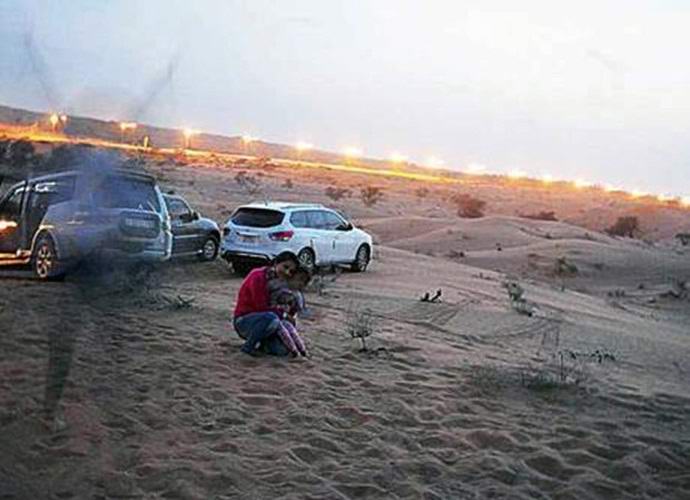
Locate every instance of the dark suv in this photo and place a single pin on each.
(56, 220)
(192, 233)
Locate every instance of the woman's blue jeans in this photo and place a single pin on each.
(262, 329)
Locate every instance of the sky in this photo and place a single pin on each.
(591, 90)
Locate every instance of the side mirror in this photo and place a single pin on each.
(187, 217)
(345, 227)
(195, 215)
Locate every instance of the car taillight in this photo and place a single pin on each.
(226, 231)
(281, 235)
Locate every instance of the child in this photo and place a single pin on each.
(286, 296)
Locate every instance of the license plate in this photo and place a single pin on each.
(247, 238)
(140, 223)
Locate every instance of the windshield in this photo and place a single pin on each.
(127, 192)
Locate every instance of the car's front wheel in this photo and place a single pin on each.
(45, 260)
(209, 250)
(307, 259)
(362, 259)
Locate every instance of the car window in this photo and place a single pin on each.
(332, 221)
(12, 206)
(52, 192)
(126, 192)
(177, 207)
(299, 219)
(315, 219)
(257, 217)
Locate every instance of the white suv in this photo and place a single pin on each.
(318, 236)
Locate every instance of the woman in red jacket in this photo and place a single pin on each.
(254, 319)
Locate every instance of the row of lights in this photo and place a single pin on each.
(353, 152)
(582, 184)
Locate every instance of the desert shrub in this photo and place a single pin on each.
(4, 146)
(321, 281)
(250, 184)
(456, 254)
(563, 267)
(337, 193)
(566, 367)
(371, 195)
(19, 154)
(517, 299)
(360, 324)
(627, 225)
(422, 192)
(679, 289)
(288, 184)
(543, 215)
(468, 206)
(684, 238)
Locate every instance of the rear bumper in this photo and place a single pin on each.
(114, 254)
(231, 255)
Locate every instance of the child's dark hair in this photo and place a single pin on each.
(285, 257)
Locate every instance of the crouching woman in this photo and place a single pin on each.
(254, 319)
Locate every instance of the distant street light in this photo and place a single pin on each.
(247, 141)
(397, 159)
(301, 147)
(475, 169)
(434, 162)
(54, 120)
(517, 174)
(188, 134)
(351, 153)
(125, 127)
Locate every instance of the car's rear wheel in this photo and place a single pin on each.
(362, 259)
(45, 260)
(307, 259)
(209, 250)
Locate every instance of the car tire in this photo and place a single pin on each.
(209, 250)
(362, 259)
(307, 259)
(45, 263)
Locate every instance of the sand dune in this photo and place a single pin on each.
(110, 390)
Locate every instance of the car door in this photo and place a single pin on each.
(345, 244)
(332, 225)
(321, 239)
(11, 224)
(41, 197)
(185, 233)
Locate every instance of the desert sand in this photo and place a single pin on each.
(111, 387)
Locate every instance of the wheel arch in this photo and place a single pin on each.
(366, 245)
(57, 244)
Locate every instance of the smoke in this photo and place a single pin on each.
(135, 110)
(42, 72)
(154, 89)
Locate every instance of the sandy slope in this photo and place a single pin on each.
(158, 402)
